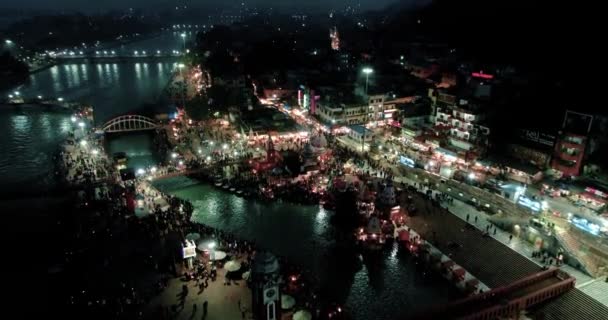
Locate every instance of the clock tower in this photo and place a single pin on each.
(266, 297)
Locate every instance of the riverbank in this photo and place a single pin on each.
(363, 284)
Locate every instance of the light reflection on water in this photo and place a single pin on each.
(385, 287)
(29, 140)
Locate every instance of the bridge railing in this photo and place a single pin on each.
(129, 123)
(513, 307)
(494, 296)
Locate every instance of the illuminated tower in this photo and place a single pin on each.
(335, 38)
(266, 298)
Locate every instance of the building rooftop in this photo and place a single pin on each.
(514, 164)
(359, 129)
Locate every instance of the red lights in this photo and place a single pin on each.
(482, 75)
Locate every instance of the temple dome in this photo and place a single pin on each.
(265, 263)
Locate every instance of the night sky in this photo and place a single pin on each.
(87, 5)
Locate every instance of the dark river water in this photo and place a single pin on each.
(388, 286)
(385, 287)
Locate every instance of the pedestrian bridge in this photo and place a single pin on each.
(507, 301)
(129, 123)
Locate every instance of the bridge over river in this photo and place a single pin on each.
(121, 57)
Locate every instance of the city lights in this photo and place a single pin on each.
(430, 163)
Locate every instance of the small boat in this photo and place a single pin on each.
(218, 184)
(233, 189)
(225, 187)
(239, 192)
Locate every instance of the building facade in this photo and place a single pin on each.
(568, 154)
(343, 114)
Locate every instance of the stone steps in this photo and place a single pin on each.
(572, 305)
(574, 247)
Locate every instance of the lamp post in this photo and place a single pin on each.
(183, 35)
(180, 67)
(211, 247)
(367, 71)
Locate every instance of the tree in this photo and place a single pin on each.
(198, 108)
(347, 213)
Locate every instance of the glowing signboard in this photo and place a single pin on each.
(189, 250)
(482, 75)
(526, 202)
(406, 161)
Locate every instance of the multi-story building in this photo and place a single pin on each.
(465, 127)
(376, 108)
(335, 38)
(569, 153)
(411, 112)
(343, 114)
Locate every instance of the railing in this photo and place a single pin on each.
(494, 299)
(571, 246)
(129, 123)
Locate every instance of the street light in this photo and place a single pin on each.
(181, 66)
(183, 35)
(60, 99)
(39, 97)
(211, 246)
(7, 41)
(367, 71)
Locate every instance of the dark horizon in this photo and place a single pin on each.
(89, 7)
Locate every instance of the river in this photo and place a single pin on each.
(387, 287)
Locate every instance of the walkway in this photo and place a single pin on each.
(589, 301)
(508, 300)
(223, 300)
(588, 288)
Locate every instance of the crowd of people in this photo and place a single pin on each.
(83, 161)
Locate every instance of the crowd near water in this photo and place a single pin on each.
(130, 259)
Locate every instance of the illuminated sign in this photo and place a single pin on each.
(482, 75)
(537, 137)
(596, 192)
(526, 202)
(406, 161)
(189, 250)
(585, 225)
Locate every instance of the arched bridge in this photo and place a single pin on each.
(128, 123)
